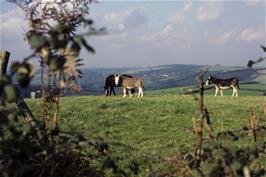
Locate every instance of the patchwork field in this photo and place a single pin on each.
(157, 125)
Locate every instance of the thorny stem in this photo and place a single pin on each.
(43, 92)
(201, 107)
(253, 125)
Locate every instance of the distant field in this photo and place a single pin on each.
(158, 124)
(160, 77)
(257, 89)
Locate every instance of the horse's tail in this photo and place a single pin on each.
(237, 84)
(142, 83)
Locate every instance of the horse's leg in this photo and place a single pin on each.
(141, 92)
(124, 91)
(234, 91)
(216, 91)
(233, 94)
(110, 91)
(129, 92)
(106, 92)
(221, 90)
(113, 90)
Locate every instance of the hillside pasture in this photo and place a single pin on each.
(157, 125)
(254, 89)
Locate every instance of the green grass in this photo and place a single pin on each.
(157, 124)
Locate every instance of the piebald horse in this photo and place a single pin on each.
(221, 84)
(110, 84)
(130, 83)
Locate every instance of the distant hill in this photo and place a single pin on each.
(161, 77)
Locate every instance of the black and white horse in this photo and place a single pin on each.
(110, 84)
(221, 84)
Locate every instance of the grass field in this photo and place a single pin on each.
(157, 124)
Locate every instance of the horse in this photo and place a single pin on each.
(110, 83)
(221, 84)
(130, 83)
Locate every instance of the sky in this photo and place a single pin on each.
(150, 33)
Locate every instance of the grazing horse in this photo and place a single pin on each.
(110, 83)
(130, 83)
(221, 84)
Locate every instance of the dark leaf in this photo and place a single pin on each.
(263, 48)
(53, 42)
(80, 73)
(79, 60)
(23, 80)
(76, 48)
(79, 64)
(250, 63)
(89, 48)
(56, 63)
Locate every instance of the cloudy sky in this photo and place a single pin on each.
(148, 33)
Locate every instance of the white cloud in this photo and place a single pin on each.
(253, 34)
(130, 19)
(135, 18)
(12, 22)
(209, 11)
(177, 18)
(224, 38)
(167, 30)
(254, 3)
(114, 18)
(121, 26)
(188, 7)
(12, 29)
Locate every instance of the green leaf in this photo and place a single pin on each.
(62, 28)
(37, 40)
(4, 80)
(10, 93)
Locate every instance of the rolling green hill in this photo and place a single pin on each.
(162, 77)
(253, 89)
(142, 130)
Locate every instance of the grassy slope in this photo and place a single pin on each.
(155, 123)
(245, 90)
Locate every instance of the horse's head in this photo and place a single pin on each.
(117, 77)
(209, 81)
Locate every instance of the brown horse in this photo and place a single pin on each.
(110, 83)
(130, 83)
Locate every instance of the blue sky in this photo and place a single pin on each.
(148, 33)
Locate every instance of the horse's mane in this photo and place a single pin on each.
(126, 75)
